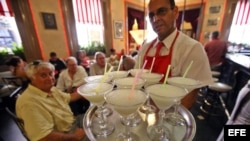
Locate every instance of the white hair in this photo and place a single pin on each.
(99, 53)
(71, 58)
(32, 68)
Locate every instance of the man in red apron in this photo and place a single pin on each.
(173, 47)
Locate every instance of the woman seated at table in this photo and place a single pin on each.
(82, 59)
(71, 78)
(45, 109)
(17, 65)
(98, 68)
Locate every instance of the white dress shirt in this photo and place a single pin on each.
(64, 81)
(185, 50)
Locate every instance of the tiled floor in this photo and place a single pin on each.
(207, 129)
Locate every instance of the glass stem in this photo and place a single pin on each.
(101, 115)
(161, 116)
(127, 130)
(176, 107)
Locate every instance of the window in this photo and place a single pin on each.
(89, 21)
(8, 29)
(240, 29)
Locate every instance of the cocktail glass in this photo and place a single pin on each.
(126, 102)
(126, 83)
(101, 79)
(119, 74)
(150, 78)
(94, 92)
(164, 96)
(189, 84)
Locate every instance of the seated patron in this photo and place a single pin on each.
(58, 63)
(71, 78)
(113, 59)
(241, 111)
(82, 59)
(98, 68)
(127, 63)
(45, 109)
(216, 49)
(17, 65)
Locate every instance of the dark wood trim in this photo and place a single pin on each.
(26, 29)
(70, 25)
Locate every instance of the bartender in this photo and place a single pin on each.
(173, 47)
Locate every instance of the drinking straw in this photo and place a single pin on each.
(189, 66)
(138, 74)
(105, 69)
(152, 65)
(139, 61)
(166, 75)
(120, 63)
(103, 78)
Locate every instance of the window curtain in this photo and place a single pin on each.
(240, 28)
(190, 16)
(5, 8)
(88, 11)
(89, 21)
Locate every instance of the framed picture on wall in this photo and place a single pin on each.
(118, 29)
(212, 22)
(214, 9)
(49, 20)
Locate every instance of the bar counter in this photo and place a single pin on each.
(235, 72)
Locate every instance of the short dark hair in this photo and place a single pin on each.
(215, 34)
(13, 61)
(172, 4)
(52, 54)
(112, 50)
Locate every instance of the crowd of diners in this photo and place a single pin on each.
(44, 103)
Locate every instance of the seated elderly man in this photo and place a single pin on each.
(98, 68)
(45, 109)
(71, 78)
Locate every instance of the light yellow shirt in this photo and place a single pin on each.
(43, 113)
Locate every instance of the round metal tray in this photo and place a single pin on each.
(181, 133)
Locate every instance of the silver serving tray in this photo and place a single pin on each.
(182, 133)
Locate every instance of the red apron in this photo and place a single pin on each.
(161, 62)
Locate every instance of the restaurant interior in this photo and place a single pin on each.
(39, 27)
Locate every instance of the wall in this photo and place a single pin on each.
(117, 14)
(220, 20)
(51, 39)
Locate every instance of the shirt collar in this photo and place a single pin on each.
(38, 91)
(168, 40)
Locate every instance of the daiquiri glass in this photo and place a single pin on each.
(164, 96)
(189, 84)
(101, 79)
(127, 83)
(126, 102)
(94, 92)
(150, 78)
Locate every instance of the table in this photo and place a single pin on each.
(186, 133)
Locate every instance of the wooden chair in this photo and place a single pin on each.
(18, 121)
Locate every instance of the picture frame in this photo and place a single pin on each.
(212, 22)
(118, 29)
(49, 20)
(215, 9)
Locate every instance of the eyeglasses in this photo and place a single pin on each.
(36, 62)
(159, 12)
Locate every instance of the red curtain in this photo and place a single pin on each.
(190, 16)
(5, 8)
(88, 11)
